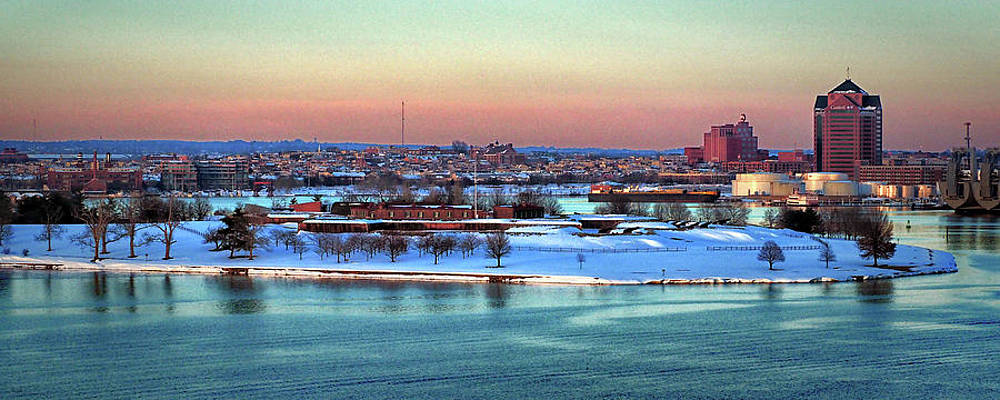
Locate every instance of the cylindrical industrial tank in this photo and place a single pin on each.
(926, 191)
(815, 180)
(756, 184)
(840, 188)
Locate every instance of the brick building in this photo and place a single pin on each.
(97, 178)
(902, 174)
(847, 129)
(416, 212)
(499, 155)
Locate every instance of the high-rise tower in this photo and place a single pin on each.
(847, 129)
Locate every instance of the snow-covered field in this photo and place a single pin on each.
(651, 252)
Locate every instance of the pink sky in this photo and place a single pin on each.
(625, 74)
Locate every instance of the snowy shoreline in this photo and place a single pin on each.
(650, 253)
(27, 263)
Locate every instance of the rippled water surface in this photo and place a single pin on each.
(81, 335)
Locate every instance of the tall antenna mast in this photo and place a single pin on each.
(402, 125)
(972, 151)
(968, 137)
(475, 188)
(848, 72)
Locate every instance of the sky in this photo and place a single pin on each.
(634, 74)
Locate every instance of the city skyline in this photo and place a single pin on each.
(623, 75)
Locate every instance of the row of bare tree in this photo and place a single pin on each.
(111, 220)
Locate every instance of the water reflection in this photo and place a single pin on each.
(168, 293)
(875, 291)
(48, 285)
(4, 282)
(240, 285)
(242, 306)
(969, 232)
(497, 295)
(771, 292)
(168, 287)
(99, 285)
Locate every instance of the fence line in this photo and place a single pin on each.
(579, 250)
(756, 248)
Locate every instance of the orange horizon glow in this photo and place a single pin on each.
(627, 74)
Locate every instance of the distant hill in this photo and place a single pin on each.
(142, 147)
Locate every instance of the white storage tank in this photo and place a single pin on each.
(764, 184)
(840, 188)
(926, 191)
(908, 191)
(889, 191)
(816, 180)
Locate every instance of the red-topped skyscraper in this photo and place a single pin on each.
(847, 129)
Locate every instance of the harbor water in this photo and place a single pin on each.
(103, 335)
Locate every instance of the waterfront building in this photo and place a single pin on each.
(178, 175)
(847, 129)
(439, 212)
(778, 166)
(223, 174)
(97, 179)
(902, 174)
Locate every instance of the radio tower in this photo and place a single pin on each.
(968, 145)
(402, 125)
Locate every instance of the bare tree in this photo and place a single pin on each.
(771, 217)
(96, 218)
(130, 222)
(734, 213)
(255, 238)
(299, 246)
(497, 246)
(320, 244)
(843, 222)
(533, 198)
(771, 253)
(496, 198)
(214, 236)
(469, 243)
(342, 246)
(334, 244)
(355, 242)
(423, 244)
(283, 236)
(51, 229)
(396, 246)
(200, 209)
(440, 245)
(826, 254)
(875, 239)
(456, 194)
(671, 212)
(372, 244)
(622, 206)
(580, 258)
(6, 217)
(166, 221)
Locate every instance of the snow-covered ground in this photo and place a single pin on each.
(649, 252)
